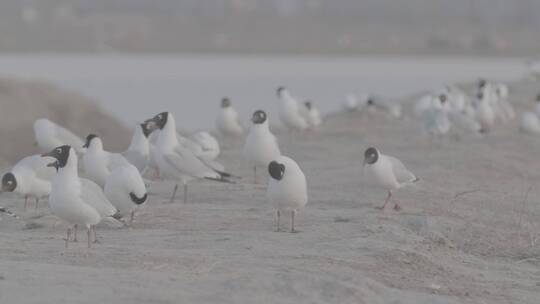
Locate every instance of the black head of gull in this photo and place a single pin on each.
(9, 182)
(276, 170)
(61, 154)
(308, 105)
(443, 98)
(145, 129)
(259, 117)
(371, 156)
(370, 101)
(280, 91)
(482, 83)
(225, 103)
(160, 120)
(89, 140)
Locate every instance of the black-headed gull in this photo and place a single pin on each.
(126, 190)
(228, 122)
(311, 114)
(30, 177)
(287, 187)
(177, 162)
(97, 162)
(138, 152)
(261, 145)
(75, 200)
(388, 172)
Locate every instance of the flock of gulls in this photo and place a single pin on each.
(87, 185)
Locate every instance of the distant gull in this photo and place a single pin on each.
(30, 177)
(287, 188)
(261, 145)
(388, 172)
(311, 114)
(289, 111)
(50, 135)
(228, 122)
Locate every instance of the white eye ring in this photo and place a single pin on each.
(59, 150)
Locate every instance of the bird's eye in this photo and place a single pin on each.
(59, 150)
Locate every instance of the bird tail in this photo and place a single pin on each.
(6, 211)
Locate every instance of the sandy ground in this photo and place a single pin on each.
(468, 233)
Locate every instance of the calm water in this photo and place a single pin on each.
(135, 87)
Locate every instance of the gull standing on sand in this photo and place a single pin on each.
(388, 172)
(484, 110)
(138, 152)
(98, 163)
(228, 122)
(75, 200)
(175, 161)
(287, 187)
(289, 112)
(49, 135)
(30, 177)
(126, 190)
(261, 145)
(435, 118)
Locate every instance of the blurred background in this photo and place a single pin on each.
(130, 59)
(271, 26)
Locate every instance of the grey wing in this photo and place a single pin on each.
(186, 163)
(139, 160)
(116, 160)
(39, 165)
(93, 195)
(403, 175)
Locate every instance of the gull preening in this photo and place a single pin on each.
(97, 162)
(228, 122)
(388, 172)
(79, 202)
(50, 135)
(176, 162)
(261, 145)
(287, 188)
(30, 177)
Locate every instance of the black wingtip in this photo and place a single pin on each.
(4, 210)
(137, 200)
(221, 180)
(117, 216)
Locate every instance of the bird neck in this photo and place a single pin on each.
(138, 141)
(167, 136)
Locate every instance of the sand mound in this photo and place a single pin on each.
(22, 102)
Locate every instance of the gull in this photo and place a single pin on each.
(484, 111)
(311, 115)
(388, 172)
(261, 145)
(228, 122)
(175, 161)
(208, 145)
(98, 163)
(350, 104)
(530, 123)
(126, 190)
(75, 200)
(435, 118)
(138, 152)
(393, 109)
(287, 187)
(289, 113)
(50, 135)
(30, 177)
